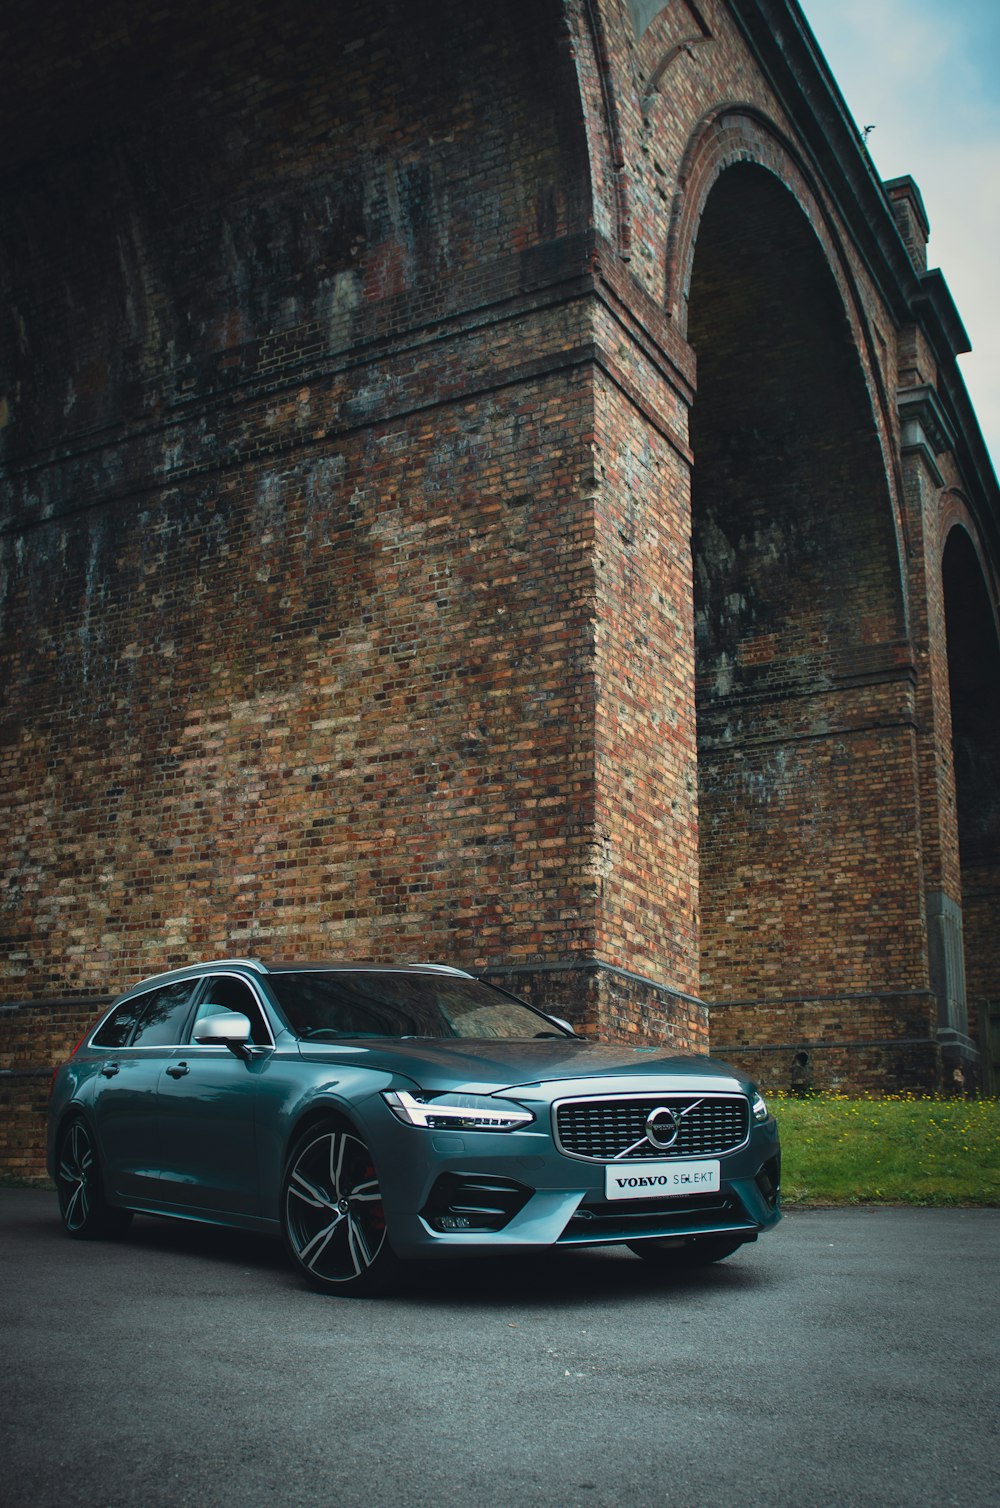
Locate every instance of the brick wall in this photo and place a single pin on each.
(453, 506)
(35, 1037)
(298, 619)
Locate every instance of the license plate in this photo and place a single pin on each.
(657, 1180)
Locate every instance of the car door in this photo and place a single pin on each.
(139, 1040)
(206, 1102)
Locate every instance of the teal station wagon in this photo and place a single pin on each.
(374, 1114)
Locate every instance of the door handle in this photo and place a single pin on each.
(108, 1070)
(178, 1070)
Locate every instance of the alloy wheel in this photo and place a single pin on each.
(86, 1213)
(333, 1213)
(75, 1177)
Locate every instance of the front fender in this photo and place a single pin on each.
(290, 1100)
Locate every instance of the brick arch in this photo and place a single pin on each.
(955, 513)
(736, 133)
(956, 523)
(728, 134)
(972, 622)
(803, 689)
(969, 592)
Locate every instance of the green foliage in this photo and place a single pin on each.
(897, 1150)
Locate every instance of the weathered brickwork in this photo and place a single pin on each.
(491, 484)
(850, 1065)
(319, 764)
(347, 541)
(645, 861)
(34, 1037)
(611, 1004)
(23, 1103)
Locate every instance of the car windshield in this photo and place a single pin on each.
(325, 1005)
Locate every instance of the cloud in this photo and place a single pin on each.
(926, 77)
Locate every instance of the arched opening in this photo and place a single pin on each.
(807, 817)
(974, 681)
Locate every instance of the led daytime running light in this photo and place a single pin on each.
(459, 1112)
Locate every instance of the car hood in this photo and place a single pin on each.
(484, 1066)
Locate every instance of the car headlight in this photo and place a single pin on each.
(759, 1108)
(456, 1112)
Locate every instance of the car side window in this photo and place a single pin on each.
(163, 1021)
(118, 1028)
(233, 994)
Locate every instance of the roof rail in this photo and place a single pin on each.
(435, 968)
(181, 970)
(252, 963)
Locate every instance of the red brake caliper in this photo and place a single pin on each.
(376, 1214)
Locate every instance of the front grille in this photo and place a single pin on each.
(603, 1130)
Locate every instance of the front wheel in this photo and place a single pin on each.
(332, 1215)
(700, 1251)
(86, 1213)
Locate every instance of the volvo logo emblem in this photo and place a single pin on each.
(662, 1126)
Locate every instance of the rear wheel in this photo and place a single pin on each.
(700, 1251)
(86, 1213)
(332, 1214)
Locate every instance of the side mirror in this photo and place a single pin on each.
(225, 1029)
(560, 1022)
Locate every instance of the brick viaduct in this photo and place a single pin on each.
(490, 483)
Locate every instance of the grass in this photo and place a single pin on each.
(898, 1150)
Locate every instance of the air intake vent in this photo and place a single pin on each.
(473, 1202)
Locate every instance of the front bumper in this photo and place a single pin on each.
(516, 1191)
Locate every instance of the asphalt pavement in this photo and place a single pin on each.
(850, 1357)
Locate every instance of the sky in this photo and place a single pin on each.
(925, 75)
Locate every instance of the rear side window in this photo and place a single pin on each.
(154, 1019)
(165, 1016)
(118, 1027)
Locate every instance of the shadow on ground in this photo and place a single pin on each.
(550, 1278)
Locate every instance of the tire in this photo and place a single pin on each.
(700, 1251)
(332, 1215)
(86, 1213)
